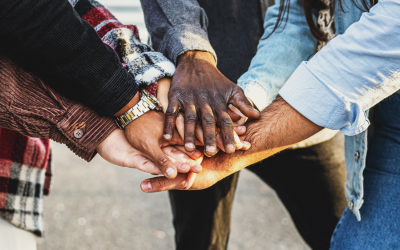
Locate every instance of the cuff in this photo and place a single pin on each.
(114, 95)
(182, 38)
(150, 67)
(82, 130)
(322, 104)
(257, 93)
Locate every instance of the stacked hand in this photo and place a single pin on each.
(196, 113)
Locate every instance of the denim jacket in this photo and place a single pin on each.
(339, 84)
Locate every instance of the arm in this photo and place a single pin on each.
(279, 55)
(333, 90)
(50, 39)
(30, 107)
(351, 74)
(199, 89)
(140, 60)
(176, 26)
(279, 127)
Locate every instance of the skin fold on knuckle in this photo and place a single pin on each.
(191, 118)
(208, 121)
(171, 112)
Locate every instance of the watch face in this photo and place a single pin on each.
(154, 100)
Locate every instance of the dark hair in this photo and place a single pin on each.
(311, 5)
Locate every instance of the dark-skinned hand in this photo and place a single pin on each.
(202, 92)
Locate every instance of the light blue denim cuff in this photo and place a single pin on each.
(322, 104)
(257, 93)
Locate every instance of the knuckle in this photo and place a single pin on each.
(190, 135)
(171, 111)
(163, 161)
(208, 120)
(174, 150)
(210, 138)
(161, 182)
(229, 138)
(226, 122)
(191, 118)
(168, 126)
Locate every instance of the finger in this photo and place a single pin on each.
(226, 127)
(234, 116)
(162, 92)
(196, 155)
(191, 177)
(183, 162)
(199, 133)
(159, 184)
(143, 164)
(170, 118)
(190, 127)
(246, 145)
(209, 129)
(240, 130)
(220, 143)
(166, 166)
(240, 101)
(238, 142)
(180, 125)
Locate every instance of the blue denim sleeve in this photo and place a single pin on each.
(352, 73)
(278, 56)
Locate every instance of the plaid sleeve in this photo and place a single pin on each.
(146, 65)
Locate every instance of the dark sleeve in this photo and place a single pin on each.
(48, 38)
(176, 26)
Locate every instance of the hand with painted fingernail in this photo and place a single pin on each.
(146, 135)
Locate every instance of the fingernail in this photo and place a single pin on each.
(170, 172)
(146, 186)
(230, 148)
(241, 127)
(186, 184)
(210, 149)
(196, 153)
(167, 136)
(190, 145)
(237, 140)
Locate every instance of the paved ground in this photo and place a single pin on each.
(100, 206)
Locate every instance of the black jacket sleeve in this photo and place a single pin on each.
(48, 38)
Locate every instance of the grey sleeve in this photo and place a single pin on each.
(176, 26)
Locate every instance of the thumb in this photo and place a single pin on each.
(166, 166)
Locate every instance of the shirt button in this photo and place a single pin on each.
(351, 205)
(357, 155)
(78, 133)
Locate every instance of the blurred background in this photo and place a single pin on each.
(100, 206)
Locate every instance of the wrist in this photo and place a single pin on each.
(189, 56)
(128, 106)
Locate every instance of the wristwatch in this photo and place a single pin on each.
(147, 102)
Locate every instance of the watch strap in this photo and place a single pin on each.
(143, 106)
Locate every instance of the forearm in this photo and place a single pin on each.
(49, 39)
(29, 106)
(279, 127)
(351, 74)
(279, 55)
(176, 26)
